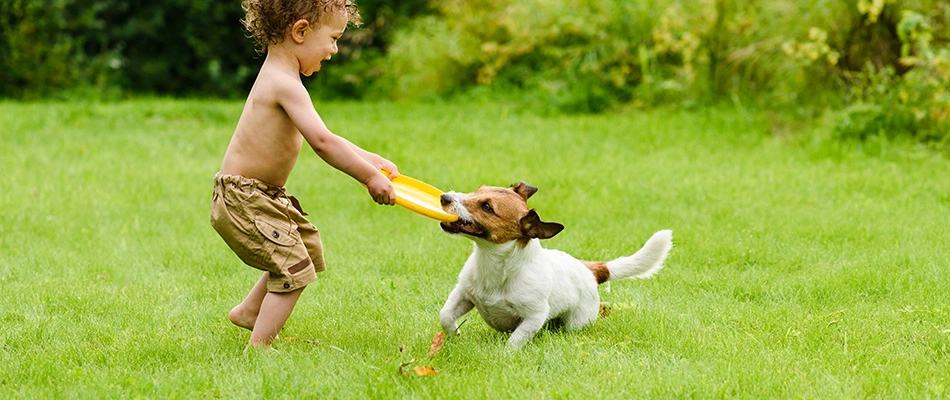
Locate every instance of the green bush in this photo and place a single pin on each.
(865, 120)
(177, 47)
(582, 56)
(167, 47)
(882, 66)
(586, 55)
(909, 99)
(42, 48)
(884, 63)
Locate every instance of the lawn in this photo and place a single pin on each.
(801, 267)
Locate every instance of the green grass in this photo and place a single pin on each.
(801, 268)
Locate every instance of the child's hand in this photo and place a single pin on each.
(381, 189)
(389, 167)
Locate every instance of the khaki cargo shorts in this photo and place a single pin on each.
(267, 230)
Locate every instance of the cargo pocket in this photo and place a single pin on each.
(280, 235)
(276, 243)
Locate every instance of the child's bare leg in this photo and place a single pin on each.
(245, 314)
(274, 311)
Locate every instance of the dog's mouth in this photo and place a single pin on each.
(463, 227)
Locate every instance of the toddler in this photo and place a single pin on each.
(251, 211)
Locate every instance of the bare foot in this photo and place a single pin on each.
(242, 318)
(260, 348)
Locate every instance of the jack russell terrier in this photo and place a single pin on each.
(518, 286)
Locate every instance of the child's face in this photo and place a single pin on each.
(320, 43)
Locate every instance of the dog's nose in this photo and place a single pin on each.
(445, 199)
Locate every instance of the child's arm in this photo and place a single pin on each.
(334, 150)
(377, 161)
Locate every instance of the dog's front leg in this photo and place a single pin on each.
(455, 307)
(527, 329)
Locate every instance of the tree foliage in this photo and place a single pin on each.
(165, 47)
(886, 58)
(882, 63)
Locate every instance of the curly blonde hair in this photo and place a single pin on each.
(268, 20)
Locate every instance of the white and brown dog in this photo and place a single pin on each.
(516, 285)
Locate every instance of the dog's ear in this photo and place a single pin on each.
(524, 189)
(534, 227)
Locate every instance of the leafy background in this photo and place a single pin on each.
(867, 68)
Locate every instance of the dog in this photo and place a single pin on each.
(518, 286)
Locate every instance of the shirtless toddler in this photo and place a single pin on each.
(263, 225)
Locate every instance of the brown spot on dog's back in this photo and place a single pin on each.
(599, 269)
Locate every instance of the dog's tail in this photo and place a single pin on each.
(642, 264)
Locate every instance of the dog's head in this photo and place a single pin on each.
(497, 215)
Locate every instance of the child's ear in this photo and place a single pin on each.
(299, 30)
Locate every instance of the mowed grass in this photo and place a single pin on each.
(801, 268)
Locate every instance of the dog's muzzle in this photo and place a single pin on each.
(463, 227)
(450, 204)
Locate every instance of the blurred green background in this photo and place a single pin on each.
(882, 67)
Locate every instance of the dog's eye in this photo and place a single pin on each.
(487, 207)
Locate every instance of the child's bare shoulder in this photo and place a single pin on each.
(275, 85)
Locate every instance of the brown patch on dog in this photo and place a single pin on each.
(498, 211)
(534, 228)
(501, 215)
(599, 269)
(524, 190)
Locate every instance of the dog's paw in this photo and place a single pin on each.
(453, 330)
(516, 344)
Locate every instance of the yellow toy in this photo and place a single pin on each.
(421, 198)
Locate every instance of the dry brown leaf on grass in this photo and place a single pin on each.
(437, 341)
(402, 367)
(425, 371)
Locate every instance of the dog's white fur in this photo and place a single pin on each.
(516, 285)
